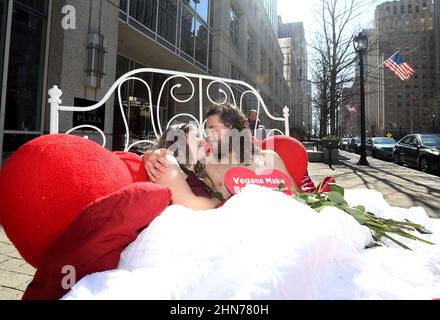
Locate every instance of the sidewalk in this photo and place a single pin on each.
(401, 186)
(15, 273)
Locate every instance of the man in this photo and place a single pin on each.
(257, 129)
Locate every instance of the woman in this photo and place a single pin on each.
(180, 178)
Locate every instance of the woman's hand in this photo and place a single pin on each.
(155, 163)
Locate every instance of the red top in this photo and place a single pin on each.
(198, 187)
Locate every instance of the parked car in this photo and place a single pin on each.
(344, 143)
(419, 150)
(354, 145)
(380, 147)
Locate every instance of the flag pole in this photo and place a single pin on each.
(382, 64)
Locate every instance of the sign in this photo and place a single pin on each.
(389, 135)
(92, 118)
(238, 178)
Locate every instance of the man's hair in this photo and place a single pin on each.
(230, 115)
(237, 122)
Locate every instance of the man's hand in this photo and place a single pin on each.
(155, 163)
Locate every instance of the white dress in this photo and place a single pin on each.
(266, 245)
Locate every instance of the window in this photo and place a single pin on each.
(144, 12)
(25, 80)
(187, 32)
(201, 7)
(409, 8)
(417, 9)
(167, 20)
(233, 26)
(250, 48)
(263, 65)
(24, 84)
(402, 9)
(201, 43)
(123, 5)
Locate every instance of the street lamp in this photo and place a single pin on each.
(360, 43)
(433, 123)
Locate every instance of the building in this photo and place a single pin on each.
(271, 7)
(245, 47)
(291, 74)
(437, 36)
(395, 106)
(293, 43)
(83, 46)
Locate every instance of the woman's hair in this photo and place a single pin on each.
(172, 139)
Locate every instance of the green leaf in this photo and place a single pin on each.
(319, 209)
(336, 198)
(281, 187)
(357, 214)
(338, 189)
(312, 200)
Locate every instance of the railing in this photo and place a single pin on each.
(201, 85)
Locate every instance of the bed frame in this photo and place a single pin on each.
(201, 85)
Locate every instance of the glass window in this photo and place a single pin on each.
(3, 19)
(202, 9)
(37, 5)
(414, 140)
(233, 26)
(123, 5)
(26, 69)
(144, 12)
(11, 143)
(201, 43)
(199, 6)
(167, 20)
(187, 32)
(250, 48)
(431, 140)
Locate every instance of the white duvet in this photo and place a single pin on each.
(265, 245)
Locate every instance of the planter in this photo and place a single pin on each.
(331, 151)
(330, 144)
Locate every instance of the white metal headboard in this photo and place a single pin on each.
(55, 102)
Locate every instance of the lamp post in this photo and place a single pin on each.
(433, 122)
(360, 43)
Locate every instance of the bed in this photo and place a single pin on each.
(262, 244)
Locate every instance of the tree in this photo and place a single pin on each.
(335, 57)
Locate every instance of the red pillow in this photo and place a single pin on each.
(95, 240)
(293, 153)
(134, 165)
(48, 182)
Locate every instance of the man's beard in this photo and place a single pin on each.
(221, 150)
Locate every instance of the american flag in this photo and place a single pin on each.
(351, 108)
(399, 67)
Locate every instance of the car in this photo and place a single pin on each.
(419, 150)
(354, 145)
(380, 147)
(344, 143)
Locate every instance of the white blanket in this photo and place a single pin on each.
(265, 245)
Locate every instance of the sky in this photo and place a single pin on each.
(306, 11)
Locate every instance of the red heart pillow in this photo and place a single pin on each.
(47, 182)
(293, 153)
